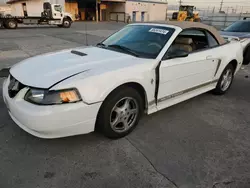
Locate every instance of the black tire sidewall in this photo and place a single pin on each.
(103, 120)
(7, 24)
(66, 19)
(218, 89)
(246, 60)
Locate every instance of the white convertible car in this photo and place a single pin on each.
(142, 68)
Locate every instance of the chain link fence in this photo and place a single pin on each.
(219, 18)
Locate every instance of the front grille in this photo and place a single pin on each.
(14, 87)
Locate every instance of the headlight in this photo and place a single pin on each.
(46, 97)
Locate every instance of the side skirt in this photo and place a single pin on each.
(175, 98)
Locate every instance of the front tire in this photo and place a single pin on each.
(120, 112)
(66, 23)
(225, 81)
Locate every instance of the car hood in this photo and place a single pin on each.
(43, 71)
(235, 34)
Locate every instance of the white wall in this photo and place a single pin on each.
(153, 11)
(157, 12)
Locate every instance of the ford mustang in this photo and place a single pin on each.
(143, 68)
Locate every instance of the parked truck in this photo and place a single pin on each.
(46, 14)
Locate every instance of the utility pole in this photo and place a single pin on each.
(180, 2)
(221, 5)
(96, 11)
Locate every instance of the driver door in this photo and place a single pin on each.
(181, 78)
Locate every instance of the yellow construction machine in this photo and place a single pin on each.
(186, 13)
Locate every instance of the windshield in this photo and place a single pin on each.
(58, 8)
(241, 26)
(143, 40)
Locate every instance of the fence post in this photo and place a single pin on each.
(212, 18)
(225, 22)
(241, 12)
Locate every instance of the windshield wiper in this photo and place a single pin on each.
(101, 44)
(125, 49)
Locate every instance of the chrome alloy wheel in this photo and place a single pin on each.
(227, 79)
(124, 114)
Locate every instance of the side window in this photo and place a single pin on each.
(190, 40)
(194, 32)
(211, 40)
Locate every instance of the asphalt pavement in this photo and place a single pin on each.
(203, 142)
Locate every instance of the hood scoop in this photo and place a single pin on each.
(78, 53)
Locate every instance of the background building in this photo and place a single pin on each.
(98, 10)
(118, 10)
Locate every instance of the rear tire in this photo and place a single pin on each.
(66, 23)
(1, 24)
(120, 112)
(10, 24)
(225, 81)
(246, 60)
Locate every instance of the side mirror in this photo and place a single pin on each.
(177, 53)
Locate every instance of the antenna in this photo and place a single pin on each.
(86, 34)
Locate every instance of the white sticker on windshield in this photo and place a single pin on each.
(160, 31)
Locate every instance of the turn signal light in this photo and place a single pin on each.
(69, 96)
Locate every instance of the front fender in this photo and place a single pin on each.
(95, 88)
(69, 16)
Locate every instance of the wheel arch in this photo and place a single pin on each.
(246, 55)
(68, 17)
(134, 85)
(234, 62)
(246, 48)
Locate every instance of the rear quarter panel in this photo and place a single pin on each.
(227, 53)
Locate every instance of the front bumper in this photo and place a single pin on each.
(50, 121)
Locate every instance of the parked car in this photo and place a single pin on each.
(144, 67)
(240, 30)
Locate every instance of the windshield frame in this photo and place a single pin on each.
(156, 56)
